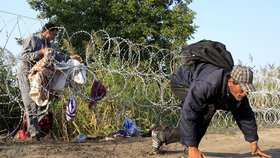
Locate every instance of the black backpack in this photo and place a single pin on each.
(206, 51)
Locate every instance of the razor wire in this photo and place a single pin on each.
(139, 78)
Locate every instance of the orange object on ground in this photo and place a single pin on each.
(22, 135)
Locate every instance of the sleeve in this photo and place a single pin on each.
(31, 50)
(194, 107)
(246, 121)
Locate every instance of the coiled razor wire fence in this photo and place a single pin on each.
(135, 75)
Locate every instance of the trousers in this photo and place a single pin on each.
(180, 86)
(30, 107)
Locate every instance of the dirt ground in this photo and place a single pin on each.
(229, 144)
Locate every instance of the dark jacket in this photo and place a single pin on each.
(208, 86)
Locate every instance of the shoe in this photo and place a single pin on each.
(21, 135)
(158, 138)
(35, 134)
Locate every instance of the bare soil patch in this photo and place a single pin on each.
(214, 145)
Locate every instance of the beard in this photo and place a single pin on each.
(239, 98)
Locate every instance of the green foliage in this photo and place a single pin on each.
(134, 95)
(9, 106)
(161, 23)
(129, 94)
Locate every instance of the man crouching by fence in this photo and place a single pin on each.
(204, 87)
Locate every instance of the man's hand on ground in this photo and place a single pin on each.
(257, 151)
(194, 152)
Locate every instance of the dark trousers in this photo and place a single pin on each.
(202, 123)
(172, 135)
(180, 88)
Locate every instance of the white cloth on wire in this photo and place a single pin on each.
(49, 76)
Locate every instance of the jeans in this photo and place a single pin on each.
(180, 90)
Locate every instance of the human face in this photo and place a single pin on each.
(236, 90)
(50, 35)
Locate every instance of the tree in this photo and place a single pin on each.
(161, 23)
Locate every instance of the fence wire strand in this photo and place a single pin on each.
(146, 67)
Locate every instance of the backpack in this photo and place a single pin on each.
(206, 51)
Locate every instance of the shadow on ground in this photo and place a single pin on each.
(273, 152)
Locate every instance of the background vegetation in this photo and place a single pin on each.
(136, 88)
(134, 64)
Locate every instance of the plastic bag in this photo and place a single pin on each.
(129, 126)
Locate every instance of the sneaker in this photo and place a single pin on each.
(22, 135)
(158, 138)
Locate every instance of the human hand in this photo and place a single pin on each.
(257, 151)
(194, 152)
(47, 52)
(77, 57)
(43, 50)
